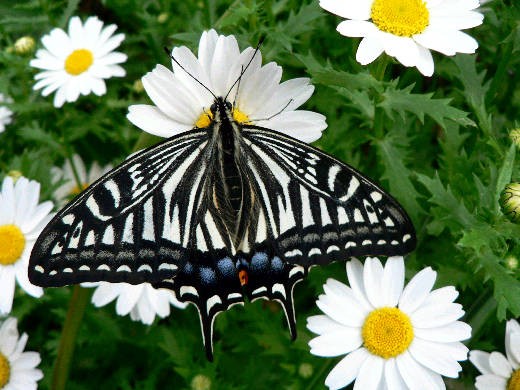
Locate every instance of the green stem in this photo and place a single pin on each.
(77, 305)
(379, 116)
(478, 314)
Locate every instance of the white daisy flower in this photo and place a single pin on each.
(393, 337)
(21, 221)
(498, 371)
(78, 62)
(181, 103)
(5, 113)
(407, 29)
(17, 368)
(70, 188)
(142, 301)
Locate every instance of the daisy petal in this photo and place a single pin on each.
(417, 290)
(480, 359)
(500, 365)
(347, 369)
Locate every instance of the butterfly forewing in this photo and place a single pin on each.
(125, 227)
(316, 209)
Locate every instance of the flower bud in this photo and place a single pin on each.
(138, 86)
(200, 382)
(515, 136)
(163, 17)
(510, 201)
(511, 263)
(305, 370)
(24, 45)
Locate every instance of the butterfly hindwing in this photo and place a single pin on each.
(132, 225)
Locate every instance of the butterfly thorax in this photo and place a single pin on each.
(231, 194)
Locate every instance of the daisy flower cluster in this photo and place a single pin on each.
(500, 372)
(407, 29)
(393, 336)
(78, 61)
(22, 218)
(17, 368)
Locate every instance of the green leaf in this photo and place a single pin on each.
(504, 175)
(449, 210)
(393, 153)
(401, 101)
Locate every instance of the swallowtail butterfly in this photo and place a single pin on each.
(217, 214)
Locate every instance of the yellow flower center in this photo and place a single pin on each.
(387, 332)
(204, 120)
(400, 17)
(5, 371)
(240, 117)
(12, 242)
(514, 381)
(78, 61)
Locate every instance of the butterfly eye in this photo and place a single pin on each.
(213, 107)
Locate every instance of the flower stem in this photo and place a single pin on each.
(379, 116)
(77, 305)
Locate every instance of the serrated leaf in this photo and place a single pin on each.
(398, 175)
(401, 101)
(505, 172)
(452, 210)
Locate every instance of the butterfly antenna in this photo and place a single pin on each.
(188, 73)
(257, 49)
(238, 87)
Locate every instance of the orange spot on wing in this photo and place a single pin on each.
(243, 277)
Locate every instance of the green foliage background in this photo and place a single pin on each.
(440, 145)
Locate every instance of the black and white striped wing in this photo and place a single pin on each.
(316, 209)
(139, 223)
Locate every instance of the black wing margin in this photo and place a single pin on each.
(125, 227)
(316, 209)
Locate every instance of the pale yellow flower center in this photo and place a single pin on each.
(5, 371)
(12, 242)
(204, 120)
(78, 61)
(387, 332)
(514, 381)
(240, 117)
(400, 17)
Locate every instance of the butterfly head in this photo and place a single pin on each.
(221, 111)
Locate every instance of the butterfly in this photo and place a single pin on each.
(220, 213)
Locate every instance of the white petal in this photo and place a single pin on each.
(226, 51)
(355, 278)
(370, 374)
(322, 324)
(417, 290)
(345, 311)
(303, 125)
(393, 281)
(153, 121)
(414, 374)
(105, 293)
(336, 343)
(128, 299)
(23, 278)
(431, 316)
(500, 365)
(435, 357)
(512, 343)
(356, 28)
(347, 369)
(351, 9)
(393, 378)
(480, 359)
(455, 331)
(7, 278)
(369, 49)
(491, 382)
(372, 278)
(444, 295)
(447, 42)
